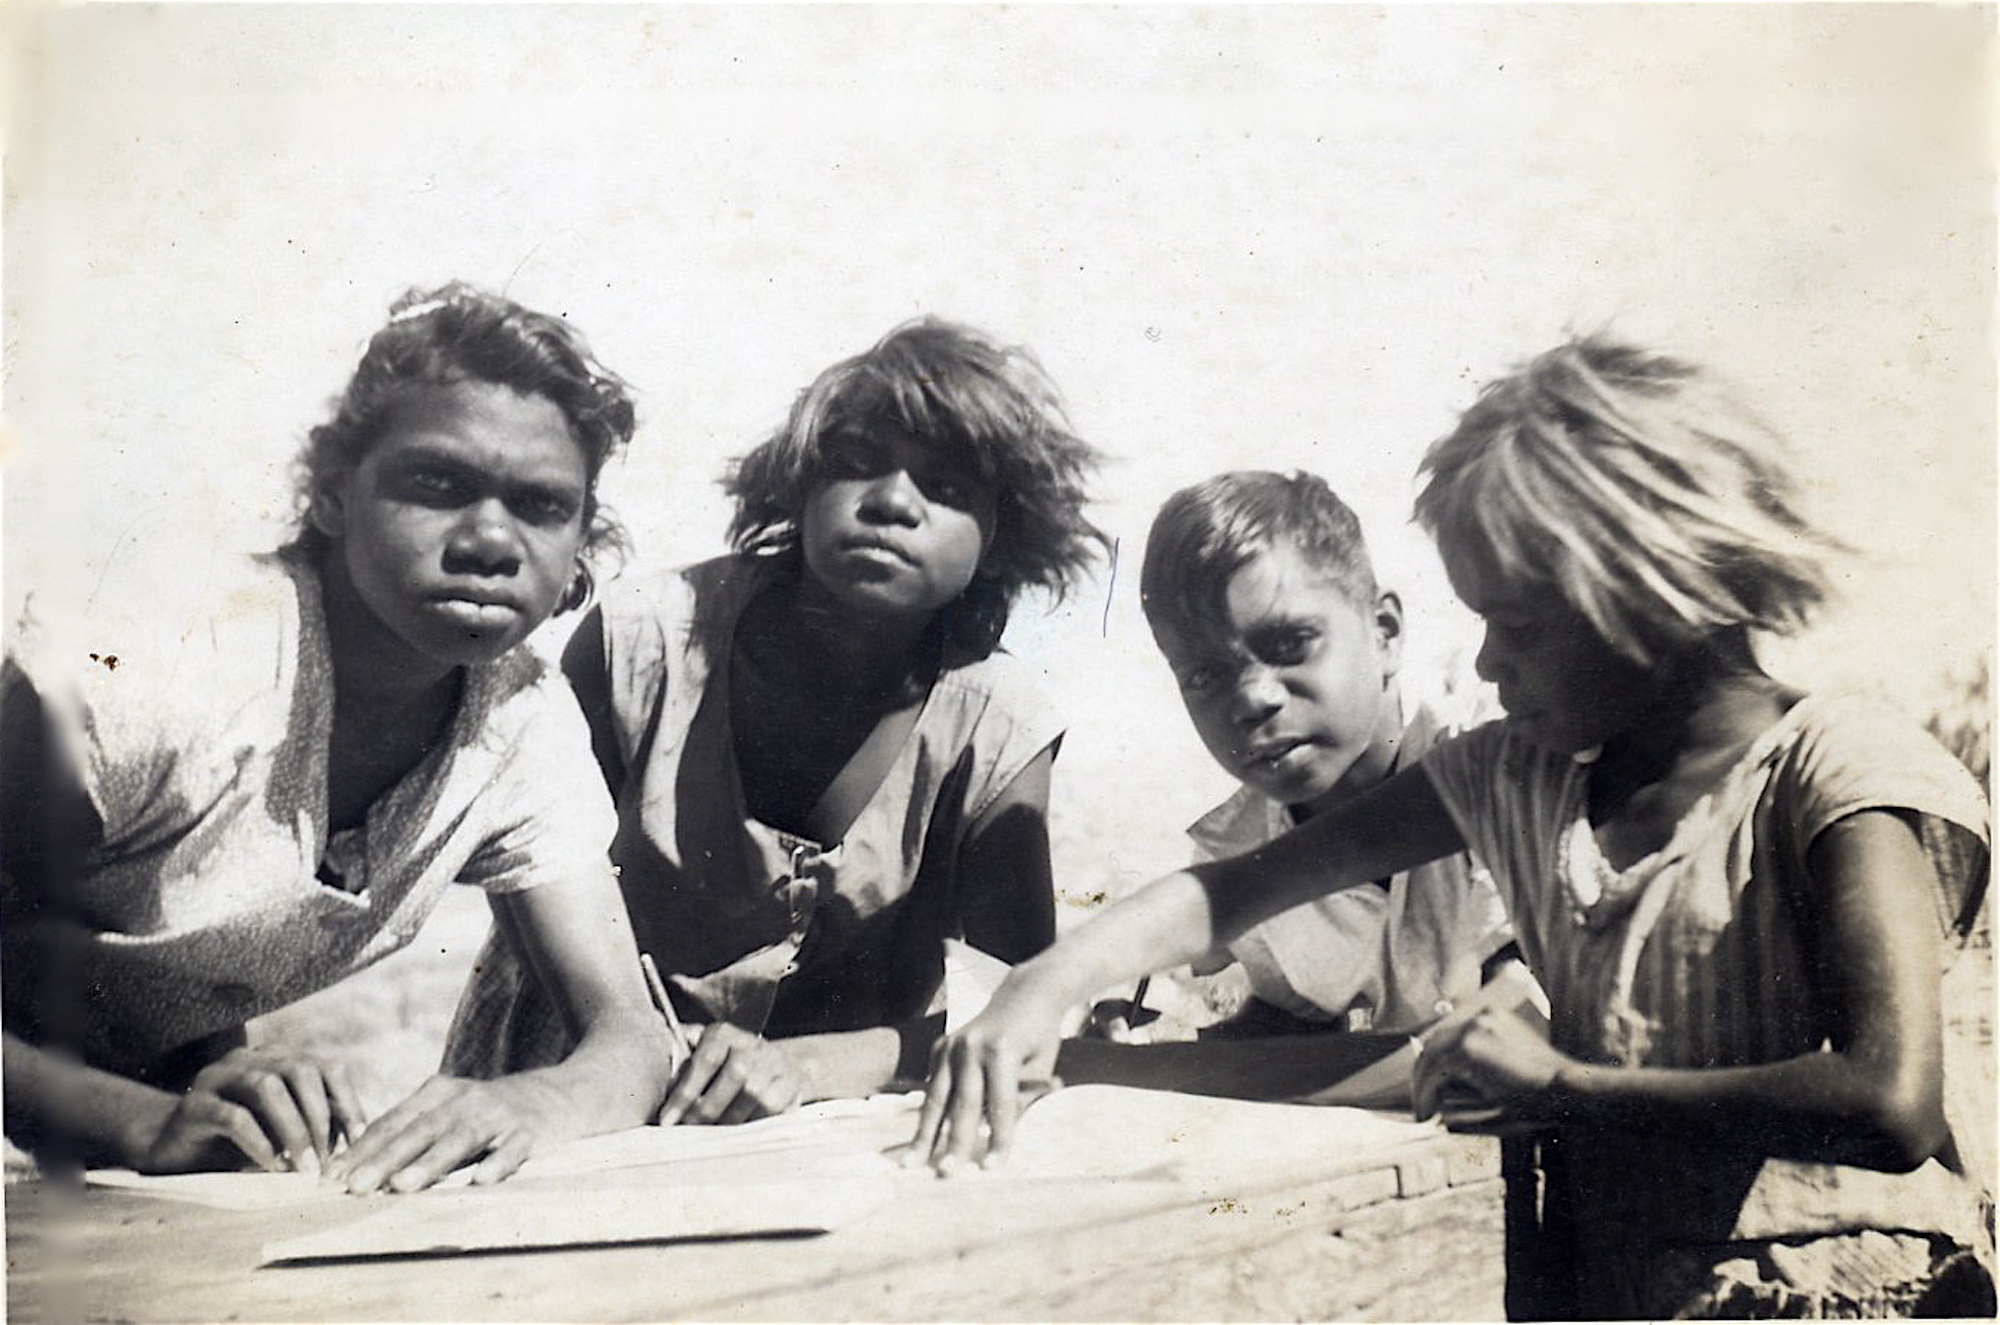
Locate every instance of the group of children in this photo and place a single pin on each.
(786, 776)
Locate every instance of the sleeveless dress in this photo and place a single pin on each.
(751, 925)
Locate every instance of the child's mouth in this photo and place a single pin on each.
(1274, 757)
(473, 615)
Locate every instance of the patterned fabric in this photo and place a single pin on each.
(1693, 957)
(196, 717)
(751, 925)
(1402, 953)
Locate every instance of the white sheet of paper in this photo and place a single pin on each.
(865, 1126)
(970, 977)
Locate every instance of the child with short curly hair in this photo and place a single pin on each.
(230, 785)
(823, 764)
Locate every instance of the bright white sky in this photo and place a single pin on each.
(1236, 237)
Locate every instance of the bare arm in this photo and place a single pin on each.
(1007, 907)
(1176, 919)
(1872, 1098)
(583, 663)
(579, 941)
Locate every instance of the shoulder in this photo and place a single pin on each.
(1493, 751)
(655, 610)
(1850, 752)
(999, 691)
(175, 646)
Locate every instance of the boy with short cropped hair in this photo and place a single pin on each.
(1262, 597)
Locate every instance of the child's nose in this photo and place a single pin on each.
(893, 498)
(1259, 694)
(1489, 662)
(484, 542)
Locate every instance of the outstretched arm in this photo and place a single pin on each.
(977, 1073)
(1007, 907)
(1873, 1097)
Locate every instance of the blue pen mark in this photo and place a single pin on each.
(1104, 627)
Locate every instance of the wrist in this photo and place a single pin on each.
(1568, 1096)
(138, 1115)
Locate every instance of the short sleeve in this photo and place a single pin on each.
(142, 687)
(1008, 720)
(1857, 754)
(548, 816)
(1506, 795)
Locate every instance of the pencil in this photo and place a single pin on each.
(658, 989)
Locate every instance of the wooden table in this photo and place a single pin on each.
(1411, 1231)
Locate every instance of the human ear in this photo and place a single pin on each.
(1388, 622)
(328, 510)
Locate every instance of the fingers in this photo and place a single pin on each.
(1436, 1053)
(965, 1113)
(930, 1118)
(287, 1099)
(733, 1077)
(199, 1121)
(350, 1117)
(420, 1140)
(1003, 1107)
(507, 1155)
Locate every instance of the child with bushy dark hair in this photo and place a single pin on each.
(823, 765)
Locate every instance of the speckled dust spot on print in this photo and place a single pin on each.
(108, 661)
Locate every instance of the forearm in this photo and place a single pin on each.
(616, 1075)
(56, 1101)
(1823, 1106)
(1167, 923)
(848, 1064)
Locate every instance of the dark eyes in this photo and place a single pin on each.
(1290, 647)
(859, 458)
(544, 508)
(1287, 648)
(1197, 680)
(446, 488)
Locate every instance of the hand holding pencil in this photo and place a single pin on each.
(724, 1074)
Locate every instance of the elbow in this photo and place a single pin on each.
(1902, 1126)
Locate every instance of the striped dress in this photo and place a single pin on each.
(1693, 957)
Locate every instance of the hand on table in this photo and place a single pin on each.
(494, 1125)
(974, 1097)
(1484, 1069)
(734, 1076)
(281, 1111)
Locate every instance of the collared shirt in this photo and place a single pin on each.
(1401, 953)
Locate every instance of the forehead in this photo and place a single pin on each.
(1488, 590)
(484, 426)
(1280, 583)
(1276, 588)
